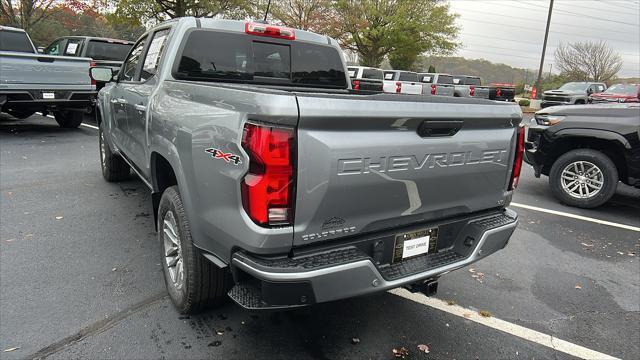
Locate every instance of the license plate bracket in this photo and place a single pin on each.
(415, 243)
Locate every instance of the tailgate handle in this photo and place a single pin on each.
(439, 128)
(46, 59)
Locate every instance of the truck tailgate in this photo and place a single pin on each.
(21, 71)
(367, 163)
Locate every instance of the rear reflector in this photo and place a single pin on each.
(517, 162)
(268, 187)
(270, 31)
(433, 89)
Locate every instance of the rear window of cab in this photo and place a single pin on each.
(210, 55)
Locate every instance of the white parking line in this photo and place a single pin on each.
(83, 124)
(505, 326)
(579, 217)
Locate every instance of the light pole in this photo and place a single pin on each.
(544, 49)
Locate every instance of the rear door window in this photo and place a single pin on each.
(472, 81)
(219, 56)
(373, 74)
(54, 48)
(427, 79)
(73, 47)
(154, 52)
(130, 65)
(352, 72)
(15, 41)
(445, 79)
(389, 75)
(408, 76)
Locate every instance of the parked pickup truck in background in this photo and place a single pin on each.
(103, 51)
(366, 78)
(586, 150)
(502, 92)
(624, 93)
(275, 184)
(402, 82)
(572, 93)
(469, 86)
(31, 82)
(436, 84)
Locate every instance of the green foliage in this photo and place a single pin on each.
(432, 69)
(399, 29)
(488, 71)
(160, 10)
(524, 102)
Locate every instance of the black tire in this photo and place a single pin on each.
(204, 285)
(68, 119)
(20, 114)
(114, 168)
(601, 161)
(579, 102)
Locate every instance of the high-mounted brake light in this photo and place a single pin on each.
(268, 188)
(398, 87)
(270, 31)
(472, 90)
(356, 84)
(433, 89)
(517, 161)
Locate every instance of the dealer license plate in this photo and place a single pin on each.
(48, 95)
(415, 243)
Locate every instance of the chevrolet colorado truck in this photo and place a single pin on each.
(586, 150)
(274, 183)
(469, 86)
(572, 93)
(31, 82)
(365, 78)
(401, 82)
(436, 84)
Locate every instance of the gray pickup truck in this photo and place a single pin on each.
(572, 93)
(31, 82)
(470, 86)
(436, 84)
(274, 183)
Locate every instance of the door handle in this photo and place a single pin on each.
(140, 107)
(439, 128)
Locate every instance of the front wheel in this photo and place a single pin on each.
(68, 119)
(583, 178)
(193, 282)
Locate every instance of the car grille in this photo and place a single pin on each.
(556, 98)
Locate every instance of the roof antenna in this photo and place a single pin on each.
(266, 12)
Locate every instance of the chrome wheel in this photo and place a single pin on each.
(103, 155)
(173, 250)
(582, 179)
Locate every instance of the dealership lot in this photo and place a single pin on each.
(81, 277)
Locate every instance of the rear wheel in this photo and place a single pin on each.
(583, 178)
(114, 168)
(68, 119)
(193, 282)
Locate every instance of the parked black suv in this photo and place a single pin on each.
(586, 150)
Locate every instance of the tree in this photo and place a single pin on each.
(312, 15)
(25, 13)
(589, 61)
(398, 29)
(161, 10)
(432, 69)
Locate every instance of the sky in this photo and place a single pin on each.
(512, 31)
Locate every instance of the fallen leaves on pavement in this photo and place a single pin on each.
(401, 352)
(423, 348)
(355, 340)
(484, 313)
(578, 287)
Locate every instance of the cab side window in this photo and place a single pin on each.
(130, 66)
(154, 53)
(54, 48)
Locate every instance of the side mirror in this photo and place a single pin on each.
(102, 74)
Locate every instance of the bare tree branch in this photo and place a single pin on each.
(589, 61)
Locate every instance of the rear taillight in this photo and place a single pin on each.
(498, 92)
(92, 64)
(517, 162)
(268, 187)
(398, 87)
(356, 84)
(472, 90)
(270, 31)
(433, 89)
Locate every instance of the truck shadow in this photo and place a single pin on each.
(36, 124)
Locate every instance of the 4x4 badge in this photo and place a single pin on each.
(228, 157)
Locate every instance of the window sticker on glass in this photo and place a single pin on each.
(153, 55)
(456, 81)
(352, 73)
(388, 76)
(426, 79)
(72, 48)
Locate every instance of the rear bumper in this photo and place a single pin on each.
(348, 272)
(33, 99)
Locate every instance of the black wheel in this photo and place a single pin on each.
(193, 282)
(583, 178)
(20, 114)
(579, 102)
(114, 168)
(68, 119)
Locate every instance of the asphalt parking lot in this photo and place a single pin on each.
(80, 277)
